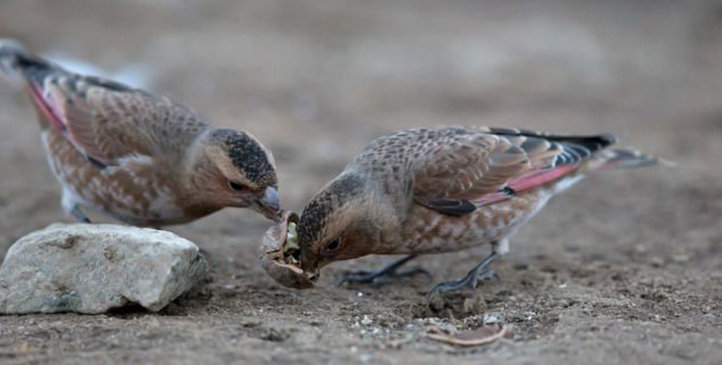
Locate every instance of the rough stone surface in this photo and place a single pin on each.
(90, 268)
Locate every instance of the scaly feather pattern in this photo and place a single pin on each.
(138, 157)
(448, 188)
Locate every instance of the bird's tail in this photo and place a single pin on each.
(623, 158)
(10, 53)
(17, 63)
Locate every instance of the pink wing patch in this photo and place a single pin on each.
(50, 109)
(528, 181)
(54, 112)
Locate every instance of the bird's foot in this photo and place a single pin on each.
(384, 275)
(379, 277)
(79, 215)
(471, 280)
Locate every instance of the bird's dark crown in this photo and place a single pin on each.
(313, 219)
(247, 155)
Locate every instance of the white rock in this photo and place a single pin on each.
(91, 268)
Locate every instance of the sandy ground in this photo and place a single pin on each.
(625, 267)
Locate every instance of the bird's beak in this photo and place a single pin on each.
(313, 275)
(268, 204)
(310, 266)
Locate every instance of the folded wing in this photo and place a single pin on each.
(105, 120)
(469, 167)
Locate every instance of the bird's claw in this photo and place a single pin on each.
(471, 280)
(380, 277)
(79, 215)
(383, 275)
(489, 275)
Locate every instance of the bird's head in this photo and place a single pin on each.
(337, 223)
(233, 169)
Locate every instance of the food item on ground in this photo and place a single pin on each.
(279, 254)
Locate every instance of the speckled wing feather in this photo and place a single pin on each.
(107, 121)
(461, 165)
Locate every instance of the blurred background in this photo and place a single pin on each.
(315, 80)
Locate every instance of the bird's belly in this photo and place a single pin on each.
(132, 194)
(430, 232)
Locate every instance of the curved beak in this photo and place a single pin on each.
(313, 275)
(268, 204)
(310, 266)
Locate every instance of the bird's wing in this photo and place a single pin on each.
(105, 120)
(462, 168)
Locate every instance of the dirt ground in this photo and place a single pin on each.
(626, 267)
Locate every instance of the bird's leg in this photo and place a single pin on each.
(387, 272)
(480, 271)
(79, 215)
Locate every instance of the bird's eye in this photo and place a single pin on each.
(235, 185)
(333, 245)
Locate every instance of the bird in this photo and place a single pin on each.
(140, 158)
(443, 189)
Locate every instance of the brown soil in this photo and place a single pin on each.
(625, 267)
